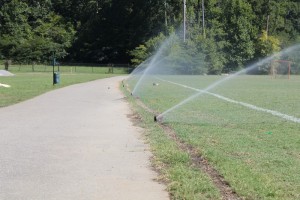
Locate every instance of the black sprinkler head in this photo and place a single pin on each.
(137, 97)
(158, 118)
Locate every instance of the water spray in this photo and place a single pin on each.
(153, 60)
(215, 84)
(165, 62)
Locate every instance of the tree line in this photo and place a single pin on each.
(228, 33)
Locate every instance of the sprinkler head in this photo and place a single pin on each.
(158, 118)
(137, 97)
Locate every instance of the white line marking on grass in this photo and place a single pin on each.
(4, 85)
(272, 112)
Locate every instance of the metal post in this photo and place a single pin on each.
(267, 31)
(166, 20)
(53, 64)
(184, 19)
(203, 21)
(268, 19)
(289, 68)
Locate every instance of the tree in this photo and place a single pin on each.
(146, 50)
(108, 30)
(14, 26)
(139, 54)
(213, 43)
(268, 45)
(237, 21)
(32, 33)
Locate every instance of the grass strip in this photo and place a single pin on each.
(28, 85)
(184, 181)
(256, 153)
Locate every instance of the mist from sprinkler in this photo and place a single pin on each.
(162, 64)
(153, 62)
(227, 78)
(139, 70)
(137, 73)
(231, 76)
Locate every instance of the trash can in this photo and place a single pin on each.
(56, 78)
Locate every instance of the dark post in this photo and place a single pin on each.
(7, 63)
(53, 64)
(56, 78)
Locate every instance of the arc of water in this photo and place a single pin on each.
(152, 62)
(253, 107)
(228, 78)
(139, 69)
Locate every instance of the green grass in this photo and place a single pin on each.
(256, 152)
(27, 85)
(183, 180)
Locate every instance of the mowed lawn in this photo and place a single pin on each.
(27, 84)
(257, 152)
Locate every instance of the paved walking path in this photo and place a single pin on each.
(75, 143)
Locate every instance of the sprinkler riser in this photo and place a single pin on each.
(158, 118)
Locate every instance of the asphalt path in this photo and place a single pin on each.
(75, 143)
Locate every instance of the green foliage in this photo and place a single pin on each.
(186, 58)
(175, 55)
(32, 33)
(139, 55)
(213, 51)
(231, 36)
(268, 45)
(240, 33)
(143, 51)
(124, 31)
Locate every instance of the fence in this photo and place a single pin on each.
(74, 68)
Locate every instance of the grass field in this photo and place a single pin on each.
(27, 84)
(257, 152)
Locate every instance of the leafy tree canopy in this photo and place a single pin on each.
(229, 34)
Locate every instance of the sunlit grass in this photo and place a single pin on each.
(183, 180)
(27, 85)
(256, 152)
